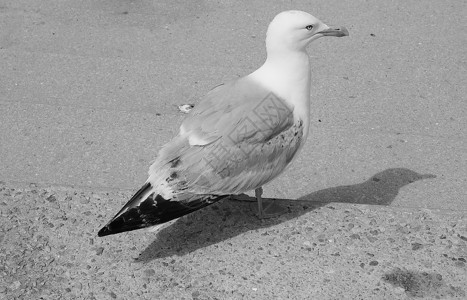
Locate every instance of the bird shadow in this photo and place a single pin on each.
(229, 218)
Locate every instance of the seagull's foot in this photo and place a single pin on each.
(272, 210)
(268, 209)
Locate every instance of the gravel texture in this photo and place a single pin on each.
(319, 251)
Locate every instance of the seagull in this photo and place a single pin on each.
(240, 136)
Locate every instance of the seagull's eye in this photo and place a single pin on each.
(309, 27)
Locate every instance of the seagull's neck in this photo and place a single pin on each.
(287, 75)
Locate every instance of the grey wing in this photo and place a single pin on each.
(221, 168)
(236, 141)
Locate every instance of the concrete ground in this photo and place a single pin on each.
(89, 92)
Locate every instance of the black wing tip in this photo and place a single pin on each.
(117, 224)
(104, 232)
(107, 230)
(151, 210)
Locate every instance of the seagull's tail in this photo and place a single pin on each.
(147, 208)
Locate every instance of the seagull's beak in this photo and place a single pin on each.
(334, 31)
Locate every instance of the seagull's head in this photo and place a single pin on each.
(293, 30)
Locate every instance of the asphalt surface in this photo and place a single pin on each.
(89, 92)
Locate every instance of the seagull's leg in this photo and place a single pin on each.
(258, 193)
(274, 209)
